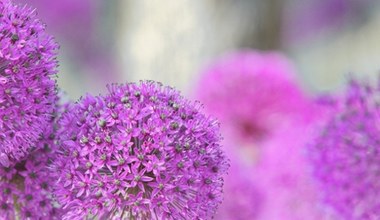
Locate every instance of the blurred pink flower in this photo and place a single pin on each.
(258, 101)
(283, 176)
(345, 153)
(253, 93)
(278, 185)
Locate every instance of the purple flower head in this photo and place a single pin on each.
(252, 93)
(27, 88)
(26, 186)
(140, 152)
(346, 155)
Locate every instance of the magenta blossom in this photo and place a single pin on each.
(278, 184)
(252, 93)
(346, 154)
(283, 176)
(26, 186)
(140, 152)
(27, 88)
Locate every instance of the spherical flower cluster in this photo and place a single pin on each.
(26, 187)
(27, 90)
(346, 155)
(140, 152)
(251, 92)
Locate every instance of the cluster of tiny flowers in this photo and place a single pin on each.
(140, 152)
(26, 187)
(346, 154)
(27, 88)
(251, 92)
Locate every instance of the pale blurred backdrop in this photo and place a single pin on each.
(171, 41)
(268, 122)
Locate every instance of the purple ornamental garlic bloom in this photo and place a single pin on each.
(252, 93)
(27, 88)
(26, 186)
(140, 152)
(346, 154)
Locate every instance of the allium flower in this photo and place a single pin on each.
(252, 93)
(26, 186)
(346, 155)
(140, 152)
(27, 90)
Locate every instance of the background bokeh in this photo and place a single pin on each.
(170, 41)
(326, 41)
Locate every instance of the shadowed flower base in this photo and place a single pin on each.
(242, 199)
(25, 187)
